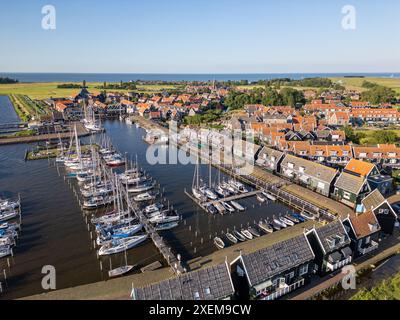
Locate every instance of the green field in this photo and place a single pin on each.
(349, 83)
(47, 90)
(356, 83)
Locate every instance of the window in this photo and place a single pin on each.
(290, 165)
(368, 240)
(291, 275)
(346, 195)
(196, 296)
(302, 169)
(303, 270)
(207, 291)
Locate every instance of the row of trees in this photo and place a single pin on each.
(6, 80)
(122, 85)
(268, 97)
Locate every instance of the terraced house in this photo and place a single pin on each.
(331, 246)
(386, 155)
(272, 272)
(309, 174)
(213, 283)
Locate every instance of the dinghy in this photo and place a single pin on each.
(219, 243)
(239, 236)
(254, 232)
(231, 238)
(247, 234)
(237, 206)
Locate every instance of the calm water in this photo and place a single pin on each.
(115, 77)
(7, 112)
(54, 228)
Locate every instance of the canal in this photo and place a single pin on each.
(54, 231)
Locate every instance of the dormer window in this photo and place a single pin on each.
(302, 169)
(291, 165)
(373, 227)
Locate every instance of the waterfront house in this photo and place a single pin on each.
(382, 209)
(330, 154)
(270, 159)
(272, 272)
(309, 174)
(363, 229)
(213, 283)
(350, 189)
(331, 246)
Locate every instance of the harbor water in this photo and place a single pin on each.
(55, 231)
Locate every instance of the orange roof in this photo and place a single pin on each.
(362, 223)
(360, 167)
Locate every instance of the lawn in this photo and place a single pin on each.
(368, 133)
(47, 90)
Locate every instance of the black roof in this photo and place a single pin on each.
(205, 284)
(333, 236)
(271, 261)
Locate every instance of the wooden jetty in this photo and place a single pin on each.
(158, 241)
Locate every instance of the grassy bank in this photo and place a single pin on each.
(356, 83)
(387, 290)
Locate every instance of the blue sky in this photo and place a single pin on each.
(200, 36)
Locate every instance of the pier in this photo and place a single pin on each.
(158, 241)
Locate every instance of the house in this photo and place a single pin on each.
(350, 189)
(245, 150)
(213, 283)
(331, 154)
(270, 159)
(331, 246)
(382, 209)
(371, 172)
(310, 174)
(272, 272)
(363, 229)
(387, 155)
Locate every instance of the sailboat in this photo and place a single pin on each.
(196, 190)
(119, 245)
(121, 270)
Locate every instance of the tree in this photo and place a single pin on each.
(379, 94)
(292, 96)
(385, 136)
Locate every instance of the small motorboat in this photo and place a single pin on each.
(120, 271)
(166, 226)
(291, 218)
(279, 223)
(153, 208)
(286, 221)
(265, 227)
(307, 216)
(219, 243)
(6, 205)
(238, 186)
(228, 207)
(254, 231)
(260, 198)
(247, 234)
(239, 236)
(126, 232)
(237, 206)
(220, 208)
(269, 196)
(144, 197)
(211, 209)
(298, 217)
(231, 238)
